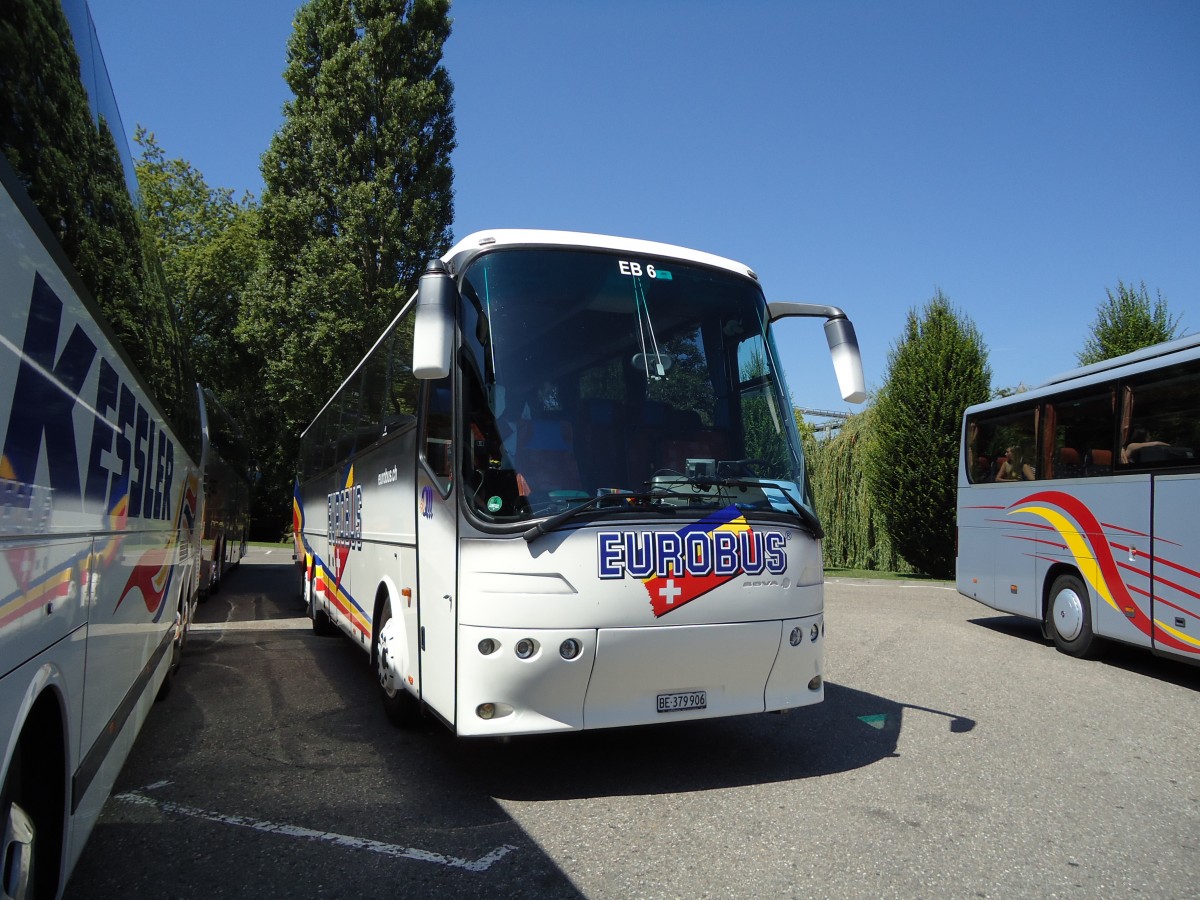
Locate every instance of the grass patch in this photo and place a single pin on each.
(882, 576)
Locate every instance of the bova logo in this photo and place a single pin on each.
(678, 566)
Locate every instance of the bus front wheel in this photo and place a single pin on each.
(1069, 614)
(401, 707)
(18, 839)
(33, 809)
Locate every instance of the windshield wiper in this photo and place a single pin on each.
(806, 515)
(550, 524)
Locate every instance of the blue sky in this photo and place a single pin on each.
(1020, 156)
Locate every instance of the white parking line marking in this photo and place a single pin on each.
(482, 864)
(303, 622)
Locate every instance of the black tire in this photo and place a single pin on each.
(1069, 618)
(19, 835)
(32, 809)
(178, 642)
(401, 707)
(214, 585)
(321, 625)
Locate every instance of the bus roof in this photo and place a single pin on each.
(1151, 352)
(1099, 372)
(462, 252)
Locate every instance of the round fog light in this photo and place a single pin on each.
(485, 710)
(570, 648)
(815, 684)
(525, 648)
(488, 646)
(796, 636)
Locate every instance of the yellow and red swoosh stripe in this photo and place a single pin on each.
(1083, 536)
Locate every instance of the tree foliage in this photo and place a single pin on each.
(1126, 322)
(358, 189)
(937, 369)
(69, 162)
(854, 534)
(358, 197)
(210, 251)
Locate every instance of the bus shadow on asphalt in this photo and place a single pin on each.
(1139, 660)
(1016, 626)
(272, 755)
(851, 729)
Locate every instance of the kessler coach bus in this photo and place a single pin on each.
(1077, 503)
(100, 466)
(225, 523)
(581, 502)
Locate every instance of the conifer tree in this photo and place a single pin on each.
(937, 369)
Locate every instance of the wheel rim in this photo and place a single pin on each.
(18, 853)
(1068, 614)
(381, 660)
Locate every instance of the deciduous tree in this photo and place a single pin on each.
(1127, 321)
(209, 249)
(358, 197)
(855, 537)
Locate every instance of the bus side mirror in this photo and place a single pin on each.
(433, 330)
(847, 361)
(843, 344)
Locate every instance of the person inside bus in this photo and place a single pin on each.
(1014, 467)
(1139, 438)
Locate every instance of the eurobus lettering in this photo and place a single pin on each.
(643, 554)
(586, 503)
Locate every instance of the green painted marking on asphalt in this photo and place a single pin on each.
(878, 721)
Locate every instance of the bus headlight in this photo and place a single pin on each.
(570, 648)
(796, 636)
(525, 648)
(488, 646)
(814, 632)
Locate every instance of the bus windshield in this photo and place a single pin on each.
(592, 373)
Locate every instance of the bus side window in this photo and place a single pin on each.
(1002, 446)
(399, 397)
(437, 431)
(1159, 423)
(1082, 428)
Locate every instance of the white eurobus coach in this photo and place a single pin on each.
(1077, 503)
(100, 472)
(581, 502)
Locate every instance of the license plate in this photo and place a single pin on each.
(681, 700)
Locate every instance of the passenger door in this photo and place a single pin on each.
(1176, 611)
(437, 552)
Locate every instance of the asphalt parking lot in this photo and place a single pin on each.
(956, 754)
